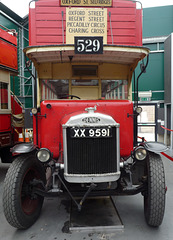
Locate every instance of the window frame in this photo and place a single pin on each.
(5, 78)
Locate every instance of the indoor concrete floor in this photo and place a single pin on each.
(55, 214)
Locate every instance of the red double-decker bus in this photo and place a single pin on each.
(84, 121)
(8, 105)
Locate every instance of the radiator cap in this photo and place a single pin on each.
(91, 109)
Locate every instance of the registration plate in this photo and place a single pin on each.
(101, 132)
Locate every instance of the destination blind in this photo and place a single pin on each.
(86, 22)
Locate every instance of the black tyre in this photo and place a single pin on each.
(154, 197)
(21, 207)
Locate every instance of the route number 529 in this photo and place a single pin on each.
(88, 45)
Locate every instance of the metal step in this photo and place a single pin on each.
(97, 215)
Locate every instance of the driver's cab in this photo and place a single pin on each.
(65, 75)
(87, 82)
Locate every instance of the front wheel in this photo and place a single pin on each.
(154, 197)
(21, 206)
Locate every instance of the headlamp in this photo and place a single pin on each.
(34, 111)
(43, 155)
(138, 110)
(140, 153)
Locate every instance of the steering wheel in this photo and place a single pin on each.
(74, 96)
(71, 96)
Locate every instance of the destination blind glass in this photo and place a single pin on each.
(94, 3)
(84, 22)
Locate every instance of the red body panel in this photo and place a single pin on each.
(5, 130)
(50, 127)
(8, 37)
(5, 123)
(8, 60)
(8, 50)
(45, 23)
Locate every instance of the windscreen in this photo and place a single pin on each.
(61, 88)
(114, 89)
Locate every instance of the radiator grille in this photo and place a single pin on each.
(91, 155)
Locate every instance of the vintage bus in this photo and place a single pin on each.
(84, 121)
(10, 109)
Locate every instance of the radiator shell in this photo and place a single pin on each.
(91, 159)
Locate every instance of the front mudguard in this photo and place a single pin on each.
(155, 147)
(23, 148)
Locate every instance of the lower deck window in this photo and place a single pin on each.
(3, 95)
